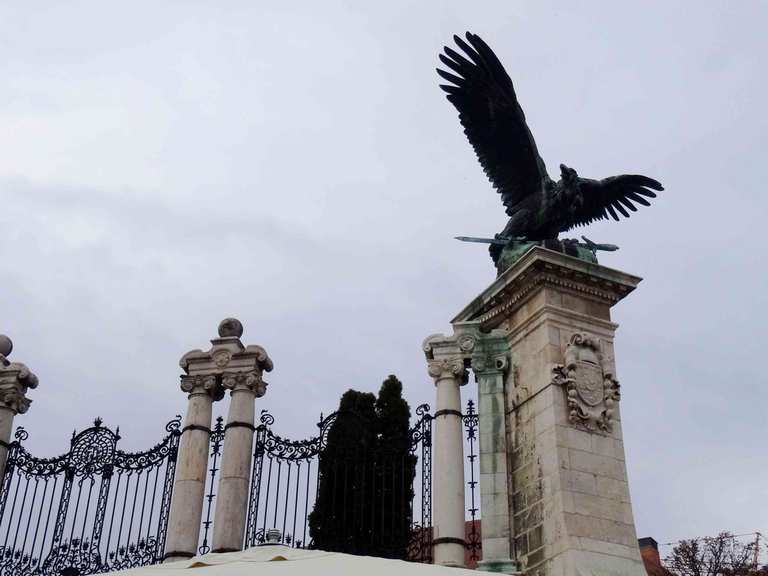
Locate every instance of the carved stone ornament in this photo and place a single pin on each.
(202, 384)
(222, 357)
(467, 342)
(447, 368)
(250, 380)
(15, 380)
(591, 391)
(490, 363)
(14, 399)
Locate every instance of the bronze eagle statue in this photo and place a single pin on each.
(538, 208)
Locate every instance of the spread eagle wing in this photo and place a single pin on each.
(600, 198)
(493, 120)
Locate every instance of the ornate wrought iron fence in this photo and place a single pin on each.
(284, 473)
(217, 440)
(473, 542)
(94, 509)
(285, 485)
(420, 548)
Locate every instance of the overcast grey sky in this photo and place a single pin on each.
(164, 165)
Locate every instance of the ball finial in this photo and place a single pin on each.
(6, 346)
(230, 327)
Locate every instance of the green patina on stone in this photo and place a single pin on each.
(515, 250)
(499, 566)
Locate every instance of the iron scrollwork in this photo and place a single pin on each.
(216, 440)
(284, 483)
(93, 509)
(472, 540)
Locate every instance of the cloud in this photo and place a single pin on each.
(298, 168)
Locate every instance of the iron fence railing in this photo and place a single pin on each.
(93, 509)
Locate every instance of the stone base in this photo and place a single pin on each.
(585, 563)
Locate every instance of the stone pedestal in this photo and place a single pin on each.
(446, 366)
(554, 494)
(15, 380)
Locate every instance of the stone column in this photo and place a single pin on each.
(191, 468)
(446, 366)
(490, 365)
(567, 477)
(15, 380)
(204, 373)
(243, 376)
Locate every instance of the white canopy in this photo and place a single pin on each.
(278, 560)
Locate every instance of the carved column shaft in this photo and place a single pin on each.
(191, 469)
(232, 499)
(6, 428)
(448, 464)
(490, 365)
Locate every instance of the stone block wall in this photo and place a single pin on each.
(570, 494)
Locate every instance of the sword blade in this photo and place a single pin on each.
(497, 241)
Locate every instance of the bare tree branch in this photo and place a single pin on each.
(722, 555)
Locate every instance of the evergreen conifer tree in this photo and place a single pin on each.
(366, 475)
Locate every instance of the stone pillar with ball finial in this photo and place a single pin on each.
(15, 380)
(241, 373)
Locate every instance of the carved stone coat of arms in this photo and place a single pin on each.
(591, 391)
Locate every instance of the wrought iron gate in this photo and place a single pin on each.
(93, 509)
(285, 483)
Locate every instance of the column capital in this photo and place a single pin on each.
(198, 384)
(491, 354)
(15, 380)
(448, 368)
(485, 363)
(245, 381)
(445, 358)
(228, 362)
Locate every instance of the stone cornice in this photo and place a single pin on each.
(545, 268)
(227, 365)
(449, 357)
(226, 353)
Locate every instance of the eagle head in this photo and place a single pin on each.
(568, 175)
(569, 186)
